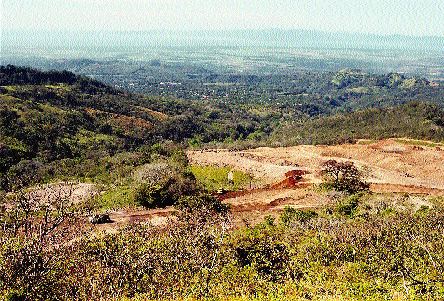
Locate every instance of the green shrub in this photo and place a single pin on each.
(168, 187)
(153, 195)
(202, 201)
(267, 256)
(423, 211)
(349, 205)
(291, 214)
(15, 295)
(195, 258)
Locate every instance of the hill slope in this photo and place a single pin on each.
(71, 123)
(50, 116)
(417, 120)
(57, 120)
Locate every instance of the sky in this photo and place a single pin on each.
(387, 17)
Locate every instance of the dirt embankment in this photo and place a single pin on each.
(285, 176)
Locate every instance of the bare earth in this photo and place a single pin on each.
(388, 162)
(391, 166)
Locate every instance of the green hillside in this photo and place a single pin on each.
(59, 124)
(51, 116)
(417, 120)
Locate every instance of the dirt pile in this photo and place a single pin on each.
(293, 179)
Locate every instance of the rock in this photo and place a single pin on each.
(100, 219)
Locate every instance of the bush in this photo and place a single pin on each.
(201, 202)
(289, 215)
(25, 173)
(349, 205)
(197, 258)
(266, 255)
(164, 183)
(165, 193)
(153, 195)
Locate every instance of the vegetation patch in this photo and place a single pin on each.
(344, 176)
(214, 178)
(418, 142)
(118, 197)
(59, 87)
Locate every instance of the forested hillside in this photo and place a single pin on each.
(52, 120)
(59, 123)
(53, 116)
(418, 120)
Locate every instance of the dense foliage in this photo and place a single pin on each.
(382, 252)
(343, 176)
(416, 120)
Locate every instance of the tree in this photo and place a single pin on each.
(343, 176)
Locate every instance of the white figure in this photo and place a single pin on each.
(230, 177)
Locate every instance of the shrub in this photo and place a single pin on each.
(202, 201)
(349, 205)
(25, 173)
(266, 255)
(32, 253)
(153, 195)
(166, 188)
(291, 214)
(197, 258)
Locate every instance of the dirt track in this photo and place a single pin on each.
(124, 217)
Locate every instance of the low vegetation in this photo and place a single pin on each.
(215, 178)
(323, 254)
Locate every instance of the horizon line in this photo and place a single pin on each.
(221, 30)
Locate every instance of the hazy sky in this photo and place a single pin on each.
(409, 17)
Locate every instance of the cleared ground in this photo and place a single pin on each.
(387, 162)
(391, 165)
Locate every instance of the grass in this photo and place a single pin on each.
(214, 178)
(360, 90)
(59, 87)
(85, 137)
(418, 142)
(14, 143)
(51, 109)
(10, 88)
(404, 141)
(9, 98)
(118, 197)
